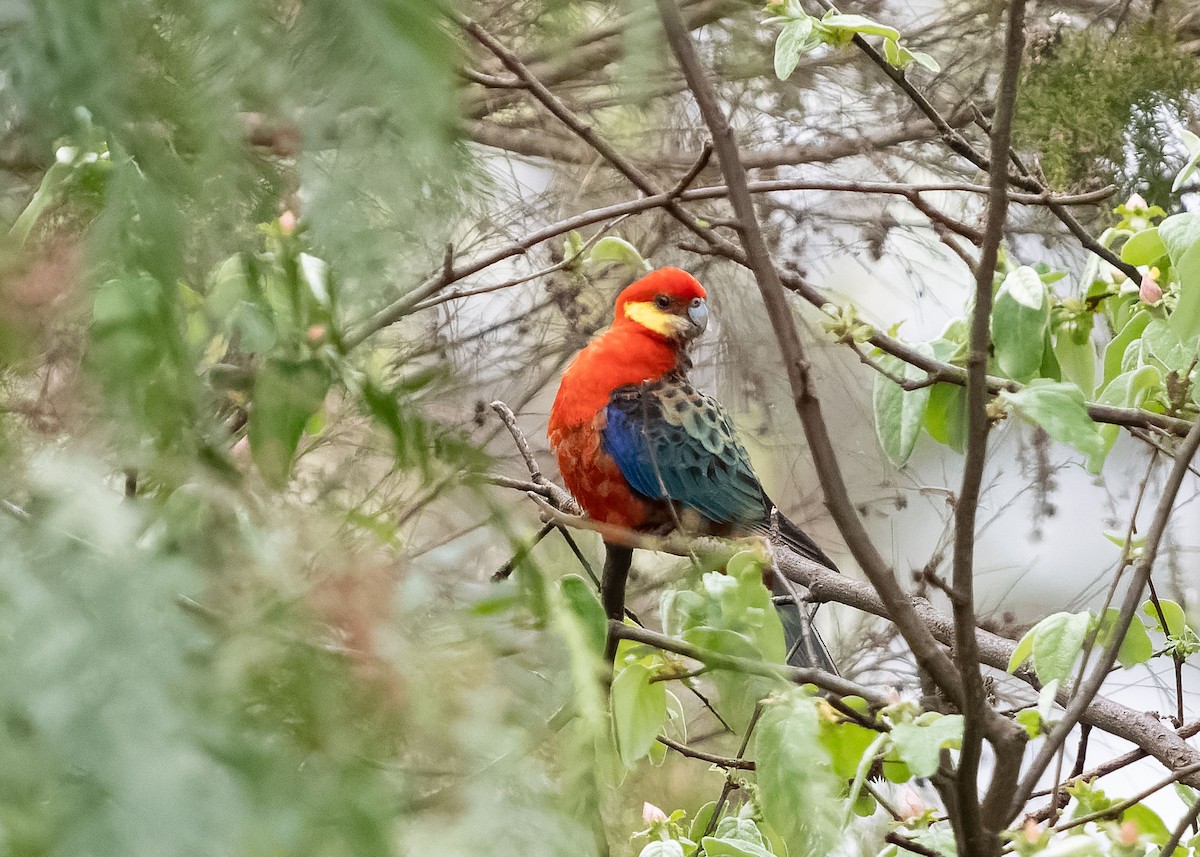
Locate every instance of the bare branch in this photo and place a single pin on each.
(976, 827)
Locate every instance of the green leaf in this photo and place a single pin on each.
(700, 822)
(662, 848)
(899, 413)
(1076, 360)
(1181, 235)
(639, 708)
(1020, 319)
(926, 61)
(1160, 337)
(1192, 142)
(286, 394)
(946, 415)
(1114, 352)
(1171, 611)
(1127, 390)
(794, 39)
(1059, 408)
(582, 601)
(748, 607)
(1144, 248)
(860, 24)
(920, 742)
(846, 742)
(1023, 651)
(737, 692)
(894, 54)
(1031, 721)
(798, 788)
(611, 250)
(1135, 648)
(1057, 642)
(721, 847)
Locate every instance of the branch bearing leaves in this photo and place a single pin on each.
(1135, 648)
(899, 413)
(920, 742)
(1181, 235)
(639, 708)
(1020, 319)
(286, 394)
(1059, 408)
(798, 787)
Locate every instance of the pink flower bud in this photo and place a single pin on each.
(1150, 292)
(1127, 834)
(1135, 202)
(287, 222)
(652, 814)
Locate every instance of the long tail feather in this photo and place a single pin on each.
(805, 646)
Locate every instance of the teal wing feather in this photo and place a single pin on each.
(674, 443)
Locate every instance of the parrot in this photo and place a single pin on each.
(639, 447)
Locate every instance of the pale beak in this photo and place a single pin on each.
(698, 315)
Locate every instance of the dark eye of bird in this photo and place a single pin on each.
(662, 301)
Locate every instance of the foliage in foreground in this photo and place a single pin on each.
(239, 657)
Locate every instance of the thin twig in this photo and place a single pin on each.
(1133, 598)
(795, 361)
(739, 763)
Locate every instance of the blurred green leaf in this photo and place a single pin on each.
(286, 394)
(639, 709)
(581, 600)
(798, 786)
(920, 742)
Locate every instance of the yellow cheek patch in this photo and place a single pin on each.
(651, 317)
